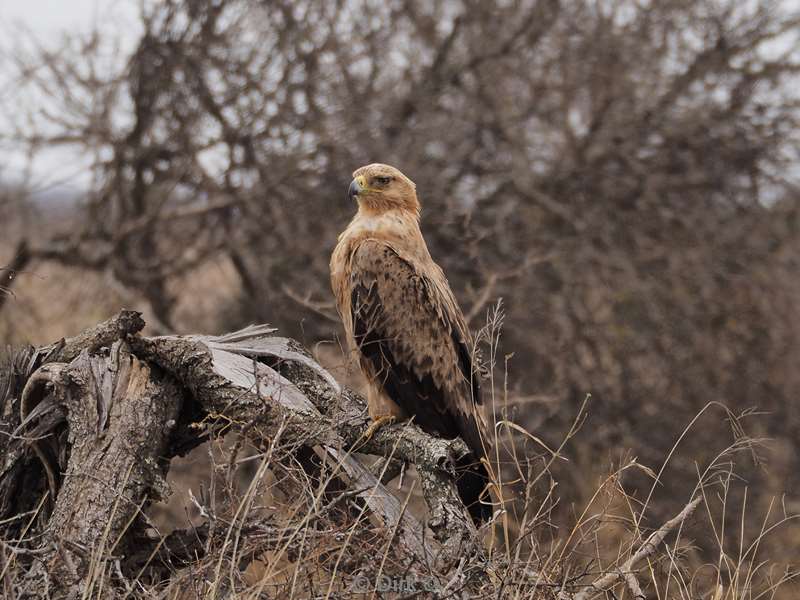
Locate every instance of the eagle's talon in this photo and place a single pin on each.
(377, 424)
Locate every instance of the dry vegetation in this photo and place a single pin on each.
(286, 509)
(623, 174)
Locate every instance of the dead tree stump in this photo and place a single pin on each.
(120, 413)
(88, 427)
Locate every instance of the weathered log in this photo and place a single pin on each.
(117, 406)
(120, 413)
(434, 458)
(21, 467)
(315, 408)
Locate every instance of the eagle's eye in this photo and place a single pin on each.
(382, 180)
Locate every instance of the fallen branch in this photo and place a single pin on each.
(15, 407)
(434, 458)
(625, 572)
(104, 411)
(227, 379)
(120, 414)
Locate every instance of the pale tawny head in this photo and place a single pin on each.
(380, 188)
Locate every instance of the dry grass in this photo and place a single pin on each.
(275, 532)
(272, 530)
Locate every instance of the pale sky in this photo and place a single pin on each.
(45, 21)
(45, 18)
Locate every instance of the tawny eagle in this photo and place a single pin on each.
(402, 320)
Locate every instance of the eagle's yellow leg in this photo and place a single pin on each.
(382, 410)
(379, 422)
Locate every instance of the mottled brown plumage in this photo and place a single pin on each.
(404, 324)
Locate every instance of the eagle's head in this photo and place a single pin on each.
(379, 188)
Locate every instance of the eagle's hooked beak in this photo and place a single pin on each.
(356, 187)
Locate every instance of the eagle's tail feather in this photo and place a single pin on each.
(471, 481)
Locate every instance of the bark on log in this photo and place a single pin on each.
(117, 406)
(434, 458)
(20, 469)
(220, 371)
(120, 414)
(123, 324)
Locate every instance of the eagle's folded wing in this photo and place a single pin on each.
(414, 342)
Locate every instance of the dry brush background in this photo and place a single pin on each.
(624, 175)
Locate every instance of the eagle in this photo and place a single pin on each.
(404, 324)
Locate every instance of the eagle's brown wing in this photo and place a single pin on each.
(413, 338)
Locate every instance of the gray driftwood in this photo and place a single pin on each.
(90, 436)
(120, 412)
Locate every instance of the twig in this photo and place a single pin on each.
(633, 585)
(625, 572)
(323, 309)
